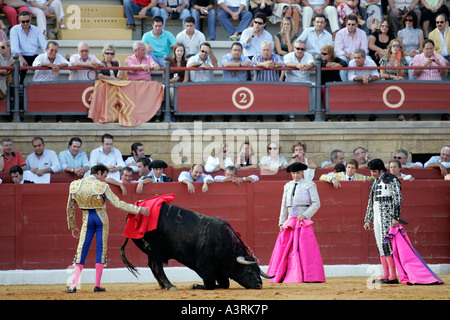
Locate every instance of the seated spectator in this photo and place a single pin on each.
(16, 173)
(220, 161)
(246, 158)
(287, 8)
(142, 8)
(109, 156)
(83, 59)
(235, 59)
(362, 75)
(10, 158)
(379, 40)
(109, 60)
(397, 8)
(273, 161)
(52, 60)
(284, 40)
(441, 37)
(206, 9)
(316, 37)
(263, 6)
(395, 168)
(195, 174)
(73, 159)
(301, 61)
(140, 60)
(319, 7)
(175, 9)
(412, 39)
(205, 60)
(371, 13)
(236, 10)
(349, 175)
(42, 161)
(41, 9)
(402, 156)
(5, 60)
(336, 156)
(137, 152)
(11, 11)
(230, 175)
(253, 36)
(298, 155)
(430, 11)
(158, 41)
(361, 156)
(429, 58)
(344, 9)
(190, 37)
(442, 162)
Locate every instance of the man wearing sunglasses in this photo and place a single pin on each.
(402, 156)
(253, 36)
(441, 37)
(396, 10)
(26, 40)
(300, 61)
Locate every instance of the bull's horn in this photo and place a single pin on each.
(242, 260)
(265, 275)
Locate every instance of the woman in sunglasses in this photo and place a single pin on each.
(109, 60)
(379, 40)
(273, 161)
(412, 39)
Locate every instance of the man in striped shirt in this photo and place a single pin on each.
(429, 58)
(269, 61)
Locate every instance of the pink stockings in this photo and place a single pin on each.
(79, 268)
(388, 265)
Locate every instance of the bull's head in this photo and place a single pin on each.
(248, 275)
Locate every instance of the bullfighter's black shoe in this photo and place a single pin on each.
(99, 289)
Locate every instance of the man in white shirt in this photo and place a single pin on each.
(231, 176)
(316, 37)
(84, 59)
(195, 175)
(442, 162)
(300, 60)
(203, 60)
(42, 160)
(109, 156)
(190, 37)
(362, 75)
(52, 60)
(137, 152)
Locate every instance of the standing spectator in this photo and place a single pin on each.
(83, 59)
(16, 173)
(52, 60)
(10, 158)
(25, 40)
(230, 175)
(140, 7)
(441, 37)
(175, 9)
(42, 160)
(110, 60)
(379, 40)
(322, 7)
(288, 8)
(74, 160)
(12, 12)
(316, 37)
(442, 162)
(137, 152)
(205, 60)
(139, 59)
(362, 75)
(234, 9)
(190, 37)
(412, 39)
(402, 156)
(284, 40)
(109, 156)
(431, 9)
(41, 9)
(301, 61)
(429, 58)
(158, 41)
(205, 8)
(397, 8)
(195, 174)
(252, 37)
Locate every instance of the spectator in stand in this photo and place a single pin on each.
(195, 174)
(442, 32)
(204, 8)
(126, 177)
(219, 159)
(301, 60)
(158, 175)
(395, 168)
(41, 9)
(252, 37)
(140, 7)
(235, 59)
(441, 162)
(344, 9)
(273, 161)
(362, 75)
(11, 8)
(26, 40)
(42, 160)
(412, 39)
(431, 9)
(158, 41)
(144, 166)
(74, 160)
(10, 158)
(348, 40)
(246, 158)
(16, 173)
(205, 60)
(109, 60)
(349, 175)
(284, 40)
(287, 8)
(175, 9)
(298, 155)
(84, 59)
(379, 41)
(361, 156)
(236, 10)
(230, 175)
(140, 60)
(371, 12)
(397, 8)
(190, 37)
(337, 156)
(263, 6)
(402, 156)
(316, 37)
(109, 156)
(322, 7)
(52, 60)
(429, 58)
(137, 152)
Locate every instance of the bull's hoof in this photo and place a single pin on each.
(195, 286)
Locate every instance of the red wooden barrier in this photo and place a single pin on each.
(34, 234)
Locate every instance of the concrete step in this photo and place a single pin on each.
(95, 34)
(94, 11)
(97, 22)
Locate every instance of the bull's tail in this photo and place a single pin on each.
(127, 263)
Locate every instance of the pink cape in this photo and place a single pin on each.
(411, 268)
(296, 256)
(138, 225)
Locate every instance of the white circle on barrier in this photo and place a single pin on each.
(87, 102)
(243, 98)
(392, 105)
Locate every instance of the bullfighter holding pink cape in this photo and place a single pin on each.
(296, 256)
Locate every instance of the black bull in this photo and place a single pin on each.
(207, 245)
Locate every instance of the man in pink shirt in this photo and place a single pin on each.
(429, 58)
(140, 60)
